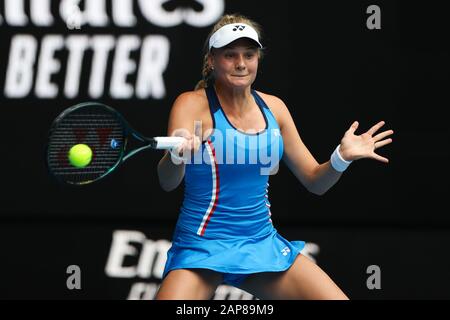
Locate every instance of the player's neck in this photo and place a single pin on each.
(235, 100)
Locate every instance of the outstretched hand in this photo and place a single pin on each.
(354, 147)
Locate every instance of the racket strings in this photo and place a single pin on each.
(100, 129)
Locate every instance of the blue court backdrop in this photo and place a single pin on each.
(138, 56)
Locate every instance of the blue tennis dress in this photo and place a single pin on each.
(224, 222)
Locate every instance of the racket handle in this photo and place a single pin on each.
(168, 142)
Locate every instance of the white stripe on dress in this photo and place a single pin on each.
(214, 193)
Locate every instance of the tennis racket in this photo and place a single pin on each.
(105, 132)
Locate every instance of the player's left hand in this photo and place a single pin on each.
(354, 147)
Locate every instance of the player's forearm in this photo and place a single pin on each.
(323, 178)
(170, 175)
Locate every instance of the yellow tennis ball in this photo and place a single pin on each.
(80, 155)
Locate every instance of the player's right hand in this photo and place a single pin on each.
(192, 143)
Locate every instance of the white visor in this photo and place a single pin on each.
(230, 32)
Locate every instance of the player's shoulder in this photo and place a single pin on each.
(276, 104)
(271, 100)
(191, 100)
(190, 105)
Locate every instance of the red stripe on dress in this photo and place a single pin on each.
(215, 190)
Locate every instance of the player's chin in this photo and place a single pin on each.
(241, 82)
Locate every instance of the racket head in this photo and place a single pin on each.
(96, 125)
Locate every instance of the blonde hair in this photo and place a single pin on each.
(207, 76)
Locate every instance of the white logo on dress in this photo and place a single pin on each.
(285, 251)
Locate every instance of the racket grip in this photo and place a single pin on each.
(168, 142)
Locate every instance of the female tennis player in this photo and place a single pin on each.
(224, 233)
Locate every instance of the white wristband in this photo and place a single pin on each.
(339, 164)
